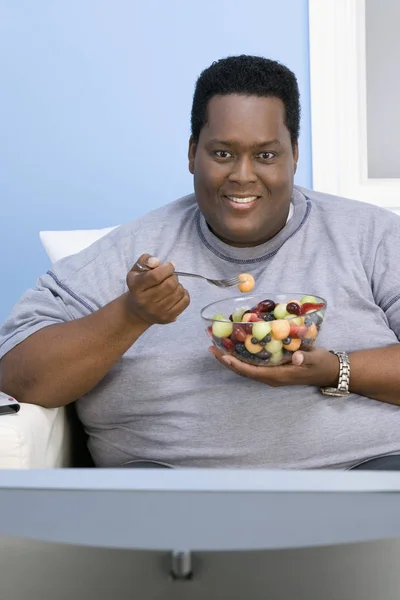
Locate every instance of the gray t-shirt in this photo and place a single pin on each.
(168, 399)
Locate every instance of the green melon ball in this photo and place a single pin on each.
(261, 329)
(222, 328)
(280, 311)
(311, 299)
(276, 358)
(219, 317)
(274, 346)
(238, 314)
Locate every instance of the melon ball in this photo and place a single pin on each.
(247, 282)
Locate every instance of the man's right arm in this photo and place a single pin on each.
(59, 363)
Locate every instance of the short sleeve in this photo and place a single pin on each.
(50, 302)
(75, 287)
(386, 274)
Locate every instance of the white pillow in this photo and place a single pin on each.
(59, 244)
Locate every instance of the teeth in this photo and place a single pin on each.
(242, 200)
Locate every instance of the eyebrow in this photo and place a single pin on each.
(231, 143)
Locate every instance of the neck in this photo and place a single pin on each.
(251, 243)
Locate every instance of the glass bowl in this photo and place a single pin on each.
(266, 328)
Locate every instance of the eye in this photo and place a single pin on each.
(222, 154)
(266, 155)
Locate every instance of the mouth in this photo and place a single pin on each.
(242, 202)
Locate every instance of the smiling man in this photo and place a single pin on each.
(129, 348)
(243, 161)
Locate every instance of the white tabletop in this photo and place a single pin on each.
(199, 509)
(202, 480)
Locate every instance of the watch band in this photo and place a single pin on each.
(342, 388)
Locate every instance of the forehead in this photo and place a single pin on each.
(245, 118)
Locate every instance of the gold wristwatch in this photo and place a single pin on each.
(342, 388)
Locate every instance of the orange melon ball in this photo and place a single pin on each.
(312, 331)
(250, 347)
(293, 346)
(247, 282)
(280, 329)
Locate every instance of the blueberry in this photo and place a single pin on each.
(287, 341)
(315, 318)
(254, 340)
(308, 321)
(286, 357)
(241, 351)
(266, 340)
(264, 354)
(268, 317)
(306, 343)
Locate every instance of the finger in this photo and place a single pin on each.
(180, 306)
(151, 278)
(298, 359)
(146, 260)
(153, 262)
(239, 367)
(273, 376)
(160, 294)
(305, 359)
(166, 301)
(167, 288)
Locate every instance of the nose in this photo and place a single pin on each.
(242, 171)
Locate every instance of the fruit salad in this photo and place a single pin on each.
(268, 333)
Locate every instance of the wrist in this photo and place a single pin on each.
(341, 387)
(131, 318)
(332, 371)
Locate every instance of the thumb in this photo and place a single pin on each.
(153, 262)
(300, 359)
(145, 261)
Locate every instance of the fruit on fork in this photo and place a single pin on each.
(247, 282)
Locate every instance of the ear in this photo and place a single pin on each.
(191, 154)
(296, 156)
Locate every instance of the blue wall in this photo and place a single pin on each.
(95, 102)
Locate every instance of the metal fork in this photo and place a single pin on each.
(221, 283)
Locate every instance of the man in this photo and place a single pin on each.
(129, 347)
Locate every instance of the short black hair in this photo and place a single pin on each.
(248, 76)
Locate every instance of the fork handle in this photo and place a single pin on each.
(188, 274)
(181, 273)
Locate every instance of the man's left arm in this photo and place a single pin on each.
(374, 373)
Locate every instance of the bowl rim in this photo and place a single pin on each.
(248, 296)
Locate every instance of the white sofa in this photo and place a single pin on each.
(36, 437)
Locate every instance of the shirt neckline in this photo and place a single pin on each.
(300, 209)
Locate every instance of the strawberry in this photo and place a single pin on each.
(298, 331)
(251, 317)
(254, 318)
(308, 306)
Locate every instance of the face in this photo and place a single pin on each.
(243, 166)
